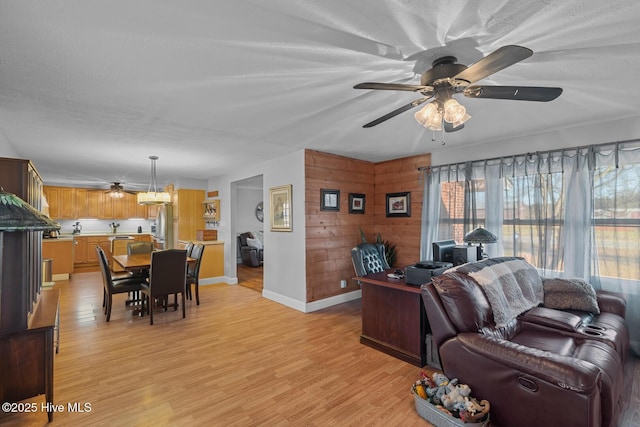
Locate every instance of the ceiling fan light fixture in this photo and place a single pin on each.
(117, 194)
(454, 111)
(461, 121)
(430, 116)
(153, 196)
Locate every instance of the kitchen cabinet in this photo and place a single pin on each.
(62, 202)
(133, 209)
(85, 249)
(60, 251)
(94, 204)
(79, 250)
(73, 203)
(188, 213)
(152, 212)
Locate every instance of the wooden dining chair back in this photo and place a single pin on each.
(167, 276)
(113, 286)
(193, 271)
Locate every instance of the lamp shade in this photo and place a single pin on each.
(18, 215)
(153, 198)
(480, 235)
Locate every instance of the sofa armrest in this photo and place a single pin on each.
(611, 302)
(551, 318)
(564, 372)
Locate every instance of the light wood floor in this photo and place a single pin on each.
(250, 277)
(238, 359)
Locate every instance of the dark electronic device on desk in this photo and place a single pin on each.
(423, 271)
(443, 250)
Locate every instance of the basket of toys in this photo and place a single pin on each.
(447, 403)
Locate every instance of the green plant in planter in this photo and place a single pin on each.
(389, 248)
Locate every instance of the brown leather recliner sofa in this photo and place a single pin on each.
(544, 362)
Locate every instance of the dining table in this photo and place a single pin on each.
(138, 261)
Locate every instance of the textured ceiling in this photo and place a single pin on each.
(90, 89)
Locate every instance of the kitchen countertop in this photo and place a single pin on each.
(93, 234)
(59, 239)
(204, 242)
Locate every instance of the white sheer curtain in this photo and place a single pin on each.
(571, 213)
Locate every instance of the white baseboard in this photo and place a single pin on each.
(311, 306)
(219, 279)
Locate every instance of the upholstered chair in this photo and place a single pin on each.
(193, 271)
(167, 276)
(369, 258)
(114, 286)
(252, 256)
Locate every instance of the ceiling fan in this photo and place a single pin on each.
(117, 190)
(447, 78)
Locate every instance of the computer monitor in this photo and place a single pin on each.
(443, 250)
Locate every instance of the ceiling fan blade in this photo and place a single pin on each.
(518, 93)
(397, 111)
(448, 127)
(494, 62)
(392, 86)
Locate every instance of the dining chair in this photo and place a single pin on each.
(139, 248)
(114, 286)
(134, 248)
(188, 247)
(193, 271)
(167, 275)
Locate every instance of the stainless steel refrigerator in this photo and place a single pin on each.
(163, 237)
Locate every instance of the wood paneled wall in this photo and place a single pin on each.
(330, 235)
(398, 176)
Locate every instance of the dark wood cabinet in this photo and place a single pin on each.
(393, 318)
(28, 318)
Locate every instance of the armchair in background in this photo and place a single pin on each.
(369, 258)
(251, 250)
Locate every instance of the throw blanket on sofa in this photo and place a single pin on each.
(511, 285)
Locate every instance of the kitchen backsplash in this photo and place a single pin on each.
(129, 226)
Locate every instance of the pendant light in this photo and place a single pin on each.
(153, 196)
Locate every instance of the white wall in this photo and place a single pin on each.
(6, 149)
(619, 130)
(284, 267)
(247, 200)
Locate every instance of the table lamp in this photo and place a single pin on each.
(480, 236)
(18, 215)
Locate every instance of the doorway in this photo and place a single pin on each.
(248, 216)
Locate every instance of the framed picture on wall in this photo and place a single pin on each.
(356, 203)
(280, 208)
(398, 204)
(329, 200)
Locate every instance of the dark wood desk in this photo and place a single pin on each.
(393, 318)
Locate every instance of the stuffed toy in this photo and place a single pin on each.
(438, 387)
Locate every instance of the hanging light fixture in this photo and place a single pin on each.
(430, 116)
(435, 112)
(153, 196)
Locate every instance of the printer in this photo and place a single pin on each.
(423, 271)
